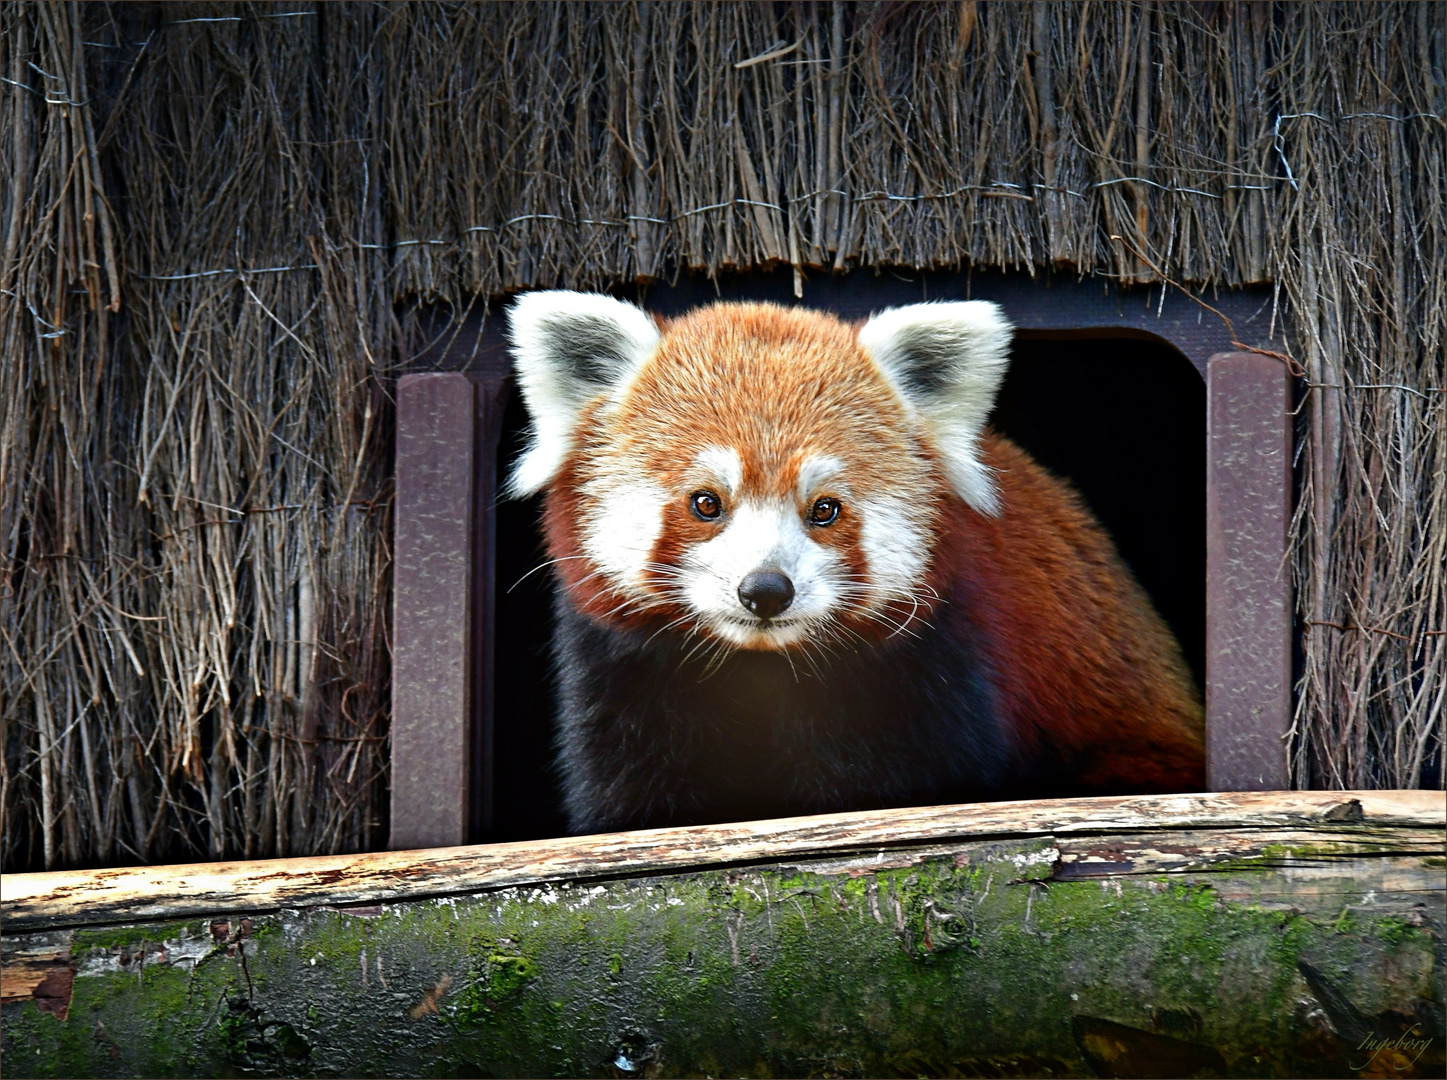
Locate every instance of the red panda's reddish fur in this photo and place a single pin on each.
(1044, 575)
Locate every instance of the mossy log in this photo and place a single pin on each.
(1262, 934)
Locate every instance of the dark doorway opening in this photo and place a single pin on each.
(1121, 418)
(1124, 420)
(526, 800)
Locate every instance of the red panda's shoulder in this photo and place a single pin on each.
(1081, 657)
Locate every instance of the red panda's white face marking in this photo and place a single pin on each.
(721, 466)
(619, 535)
(896, 544)
(763, 476)
(816, 471)
(762, 538)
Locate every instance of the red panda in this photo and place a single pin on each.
(797, 573)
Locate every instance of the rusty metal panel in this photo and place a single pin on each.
(1248, 588)
(433, 662)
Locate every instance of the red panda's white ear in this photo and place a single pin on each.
(947, 361)
(568, 348)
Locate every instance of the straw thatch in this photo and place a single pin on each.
(211, 213)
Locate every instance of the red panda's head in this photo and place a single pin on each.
(765, 476)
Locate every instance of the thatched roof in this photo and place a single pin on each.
(209, 215)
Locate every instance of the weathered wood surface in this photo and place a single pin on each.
(41, 901)
(1248, 934)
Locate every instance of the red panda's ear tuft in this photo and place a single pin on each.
(947, 361)
(568, 348)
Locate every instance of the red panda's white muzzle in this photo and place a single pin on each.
(762, 581)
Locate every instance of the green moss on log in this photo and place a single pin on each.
(119, 937)
(977, 962)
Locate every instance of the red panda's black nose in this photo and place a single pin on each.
(766, 592)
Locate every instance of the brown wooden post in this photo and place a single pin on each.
(1248, 586)
(433, 614)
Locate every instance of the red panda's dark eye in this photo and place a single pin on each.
(824, 511)
(706, 504)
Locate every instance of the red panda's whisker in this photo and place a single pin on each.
(664, 570)
(884, 620)
(632, 605)
(625, 602)
(707, 644)
(685, 617)
(629, 605)
(788, 656)
(837, 632)
(707, 647)
(854, 591)
(914, 610)
(543, 566)
(708, 571)
(850, 640)
(808, 658)
(715, 661)
(570, 586)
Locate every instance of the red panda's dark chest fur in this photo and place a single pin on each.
(651, 736)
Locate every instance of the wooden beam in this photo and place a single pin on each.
(80, 897)
(1255, 934)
